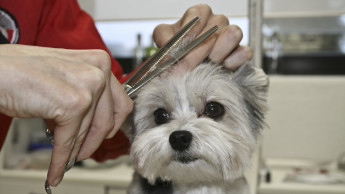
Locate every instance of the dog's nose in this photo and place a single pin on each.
(180, 140)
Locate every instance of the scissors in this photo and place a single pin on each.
(157, 62)
(152, 67)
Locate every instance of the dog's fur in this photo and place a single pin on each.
(219, 147)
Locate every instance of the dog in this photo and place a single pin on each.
(194, 130)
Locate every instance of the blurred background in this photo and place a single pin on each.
(299, 43)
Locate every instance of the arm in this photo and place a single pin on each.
(73, 90)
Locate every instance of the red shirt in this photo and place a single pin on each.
(58, 24)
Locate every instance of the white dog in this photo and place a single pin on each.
(194, 130)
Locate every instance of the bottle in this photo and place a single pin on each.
(151, 49)
(139, 52)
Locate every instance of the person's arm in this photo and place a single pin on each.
(73, 90)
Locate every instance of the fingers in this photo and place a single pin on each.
(227, 50)
(227, 41)
(108, 119)
(242, 55)
(96, 120)
(66, 133)
(64, 140)
(123, 105)
(101, 119)
(96, 116)
(197, 55)
(222, 47)
(162, 33)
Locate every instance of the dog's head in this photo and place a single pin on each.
(200, 125)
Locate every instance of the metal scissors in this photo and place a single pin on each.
(152, 67)
(157, 62)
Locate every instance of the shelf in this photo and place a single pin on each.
(120, 175)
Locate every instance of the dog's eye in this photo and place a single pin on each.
(214, 110)
(161, 116)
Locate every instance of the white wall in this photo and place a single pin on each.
(157, 9)
(171, 9)
(306, 118)
(301, 8)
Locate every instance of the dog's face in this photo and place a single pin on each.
(198, 125)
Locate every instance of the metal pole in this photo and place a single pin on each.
(255, 13)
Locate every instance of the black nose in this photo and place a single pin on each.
(180, 140)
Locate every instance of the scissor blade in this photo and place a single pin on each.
(181, 53)
(152, 62)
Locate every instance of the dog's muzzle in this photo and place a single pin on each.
(181, 141)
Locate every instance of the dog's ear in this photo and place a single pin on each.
(252, 80)
(253, 83)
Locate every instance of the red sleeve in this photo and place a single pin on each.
(4, 126)
(65, 25)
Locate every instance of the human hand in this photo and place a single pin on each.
(74, 90)
(222, 47)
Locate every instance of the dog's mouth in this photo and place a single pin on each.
(185, 159)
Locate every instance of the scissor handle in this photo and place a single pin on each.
(127, 88)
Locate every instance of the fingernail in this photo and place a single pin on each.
(70, 164)
(57, 181)
(47, 188)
